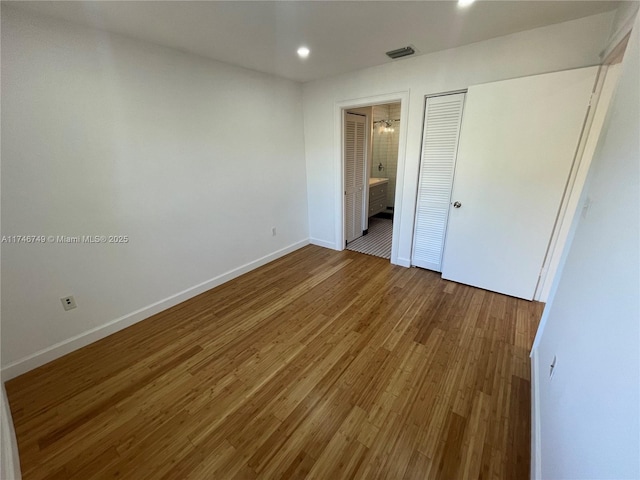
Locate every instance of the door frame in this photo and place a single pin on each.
(601, 97)
(338, 148)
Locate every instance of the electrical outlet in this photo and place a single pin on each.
(68, 303)
(552, 367)
(273, 231)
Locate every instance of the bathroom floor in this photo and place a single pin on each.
(378, 241)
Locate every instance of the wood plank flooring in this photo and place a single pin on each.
(320, 365)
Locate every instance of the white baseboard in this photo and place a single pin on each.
(536, 459)
(48, 354)
(322, 243)
(403, 262)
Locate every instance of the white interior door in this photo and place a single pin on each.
(355, 148)
(442, 118)
(517, 144)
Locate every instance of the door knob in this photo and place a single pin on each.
(457, 205)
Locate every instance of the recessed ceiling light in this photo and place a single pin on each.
(303, 52)
(465, 3)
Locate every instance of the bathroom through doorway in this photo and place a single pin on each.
(371, 143)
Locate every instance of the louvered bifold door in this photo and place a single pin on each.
(354, 165)
(442, 119)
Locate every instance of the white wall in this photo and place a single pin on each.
(589, 411)
(9, 461)
(194, 160)
(557, 47)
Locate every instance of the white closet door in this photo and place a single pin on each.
(517, 145)
(355, 148)
(442, 119)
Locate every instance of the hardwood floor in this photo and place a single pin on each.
(319, 365)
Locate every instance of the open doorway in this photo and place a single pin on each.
(370, 174)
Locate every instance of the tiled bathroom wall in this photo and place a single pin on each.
(385, 147)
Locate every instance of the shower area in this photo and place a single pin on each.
(383, 165)
(384, 162)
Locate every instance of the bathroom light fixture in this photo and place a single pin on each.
(386, 126)
(303, 52)
(465, 3)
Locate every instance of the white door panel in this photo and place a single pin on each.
(517, 144)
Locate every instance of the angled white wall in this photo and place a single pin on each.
(9, 461)
(589, 411)
(194, 160)
(562, 46)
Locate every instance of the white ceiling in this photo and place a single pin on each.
(342, 36)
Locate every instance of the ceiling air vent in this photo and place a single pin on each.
(401, 52)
